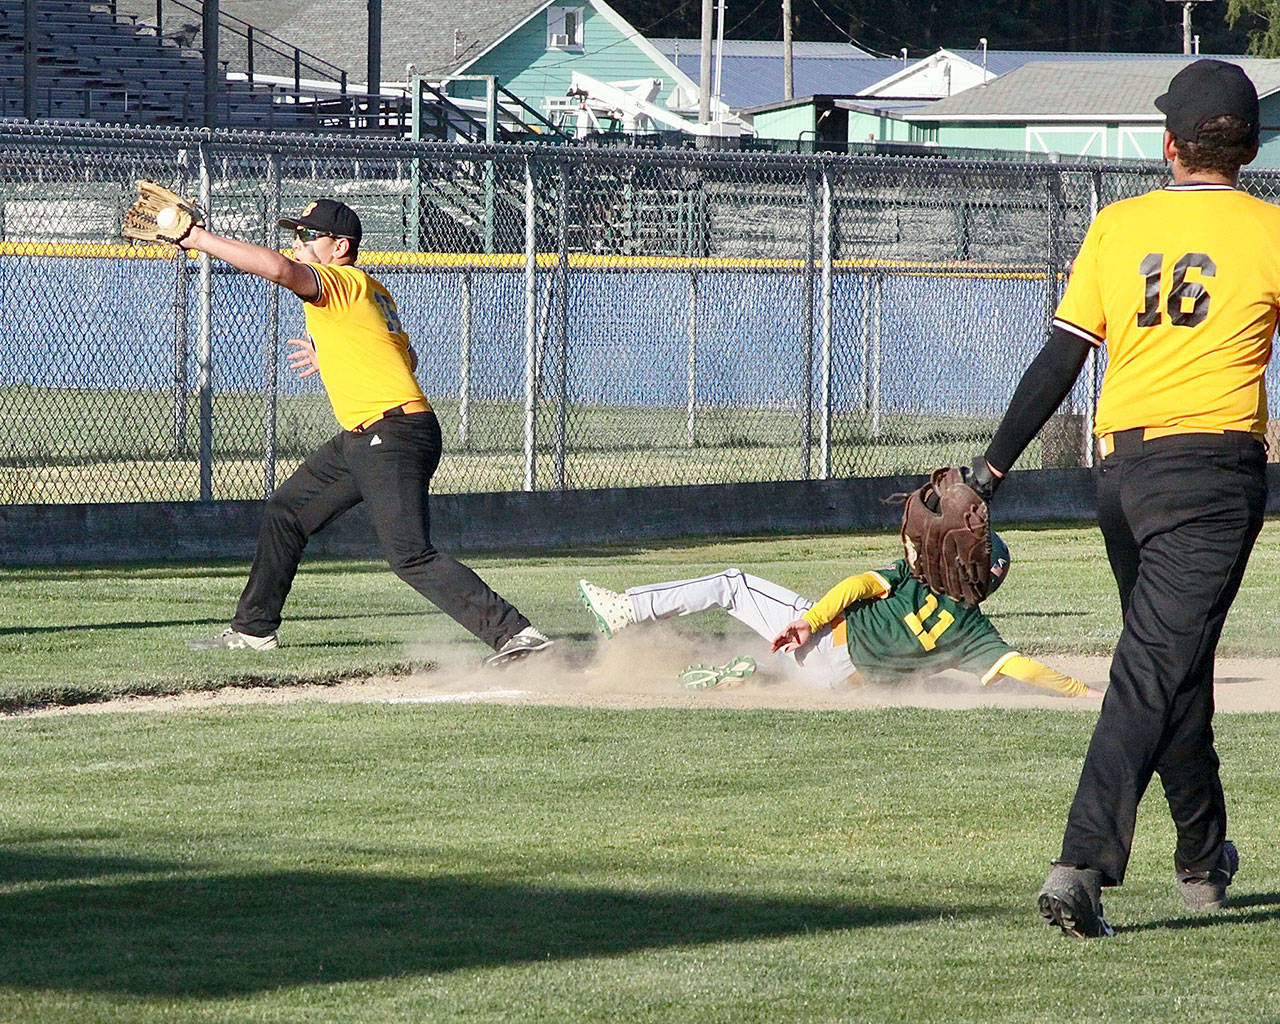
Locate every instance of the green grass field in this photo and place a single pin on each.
(60, 445)
(405, 863)
(74, 634)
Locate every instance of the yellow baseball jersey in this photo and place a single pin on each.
(1183, 285)
(361, 347)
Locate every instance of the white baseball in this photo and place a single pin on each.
(167, 217)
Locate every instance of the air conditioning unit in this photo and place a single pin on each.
(561, 42)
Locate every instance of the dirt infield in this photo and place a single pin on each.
(638, 669)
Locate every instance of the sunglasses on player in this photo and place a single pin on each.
(305, 235)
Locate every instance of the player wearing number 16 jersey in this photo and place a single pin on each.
(1182, 286)
(385, 454)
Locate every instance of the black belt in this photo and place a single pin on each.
(398, 410)
(1131, 442)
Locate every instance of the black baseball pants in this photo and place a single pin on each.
(1179, 516)
(388, 466)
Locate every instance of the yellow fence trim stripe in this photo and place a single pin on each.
(547, 261)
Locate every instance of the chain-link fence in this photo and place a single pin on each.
(584, 318)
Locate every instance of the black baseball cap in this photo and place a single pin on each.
(1204, 90)
(328, 217)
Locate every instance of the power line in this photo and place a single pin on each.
(747, 17)
(677, 9)
(847, 34)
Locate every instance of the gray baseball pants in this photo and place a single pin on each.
(763, 607)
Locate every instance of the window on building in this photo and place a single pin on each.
(564, 28)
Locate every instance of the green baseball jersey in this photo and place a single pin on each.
(913, 630)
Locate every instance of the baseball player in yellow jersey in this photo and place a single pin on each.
(882, 626)
(1182, 285)
(385, 454)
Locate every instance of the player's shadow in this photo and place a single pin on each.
(101, 928)
(1251, 908)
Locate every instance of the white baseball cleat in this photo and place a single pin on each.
(732, 673)
(520, 646)
(612, 610)
(233, 639)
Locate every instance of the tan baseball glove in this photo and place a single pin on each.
(160, 215)
(946, 532)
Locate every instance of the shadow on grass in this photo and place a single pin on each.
(19, 866)
(219, 623)
(1252, 908)
(233, 934)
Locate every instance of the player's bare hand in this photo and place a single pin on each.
(795, 635)
(1091, 693)
(303, 357)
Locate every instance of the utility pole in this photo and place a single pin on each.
(704, 63)
(374, 51)
(1187, 38)
(788, 79)
(719, 53)
(214, 83)
(30, 59)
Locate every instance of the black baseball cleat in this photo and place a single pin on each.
(1207, 890)
(526, 642)
(1071, 899)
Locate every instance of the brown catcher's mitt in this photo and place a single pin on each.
(947, 536)
(160, 215)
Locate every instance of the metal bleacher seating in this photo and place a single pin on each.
(93, 65)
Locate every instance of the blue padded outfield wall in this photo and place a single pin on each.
(627, 334)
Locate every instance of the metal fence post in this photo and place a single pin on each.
(465, 326)
(271, 338)
(877, 334)
(530, 332)
(1093, 373)
(180, 265)
(562, 327)
(691, 369)
(824, 449)
(204, 339)
(1053, 209)
(806, 320)
(415, 173)
(490, 168)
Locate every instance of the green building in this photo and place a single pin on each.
(1094, 108)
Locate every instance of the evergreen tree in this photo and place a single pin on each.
(922, 26)
(1264, 40)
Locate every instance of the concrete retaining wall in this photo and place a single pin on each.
(151, 531)
(142, 532)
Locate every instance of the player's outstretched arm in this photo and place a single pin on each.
(256, 259)
(848, 591)
(832, 603)
(1028, 670)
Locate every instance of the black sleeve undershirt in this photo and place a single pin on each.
(1044, 385)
